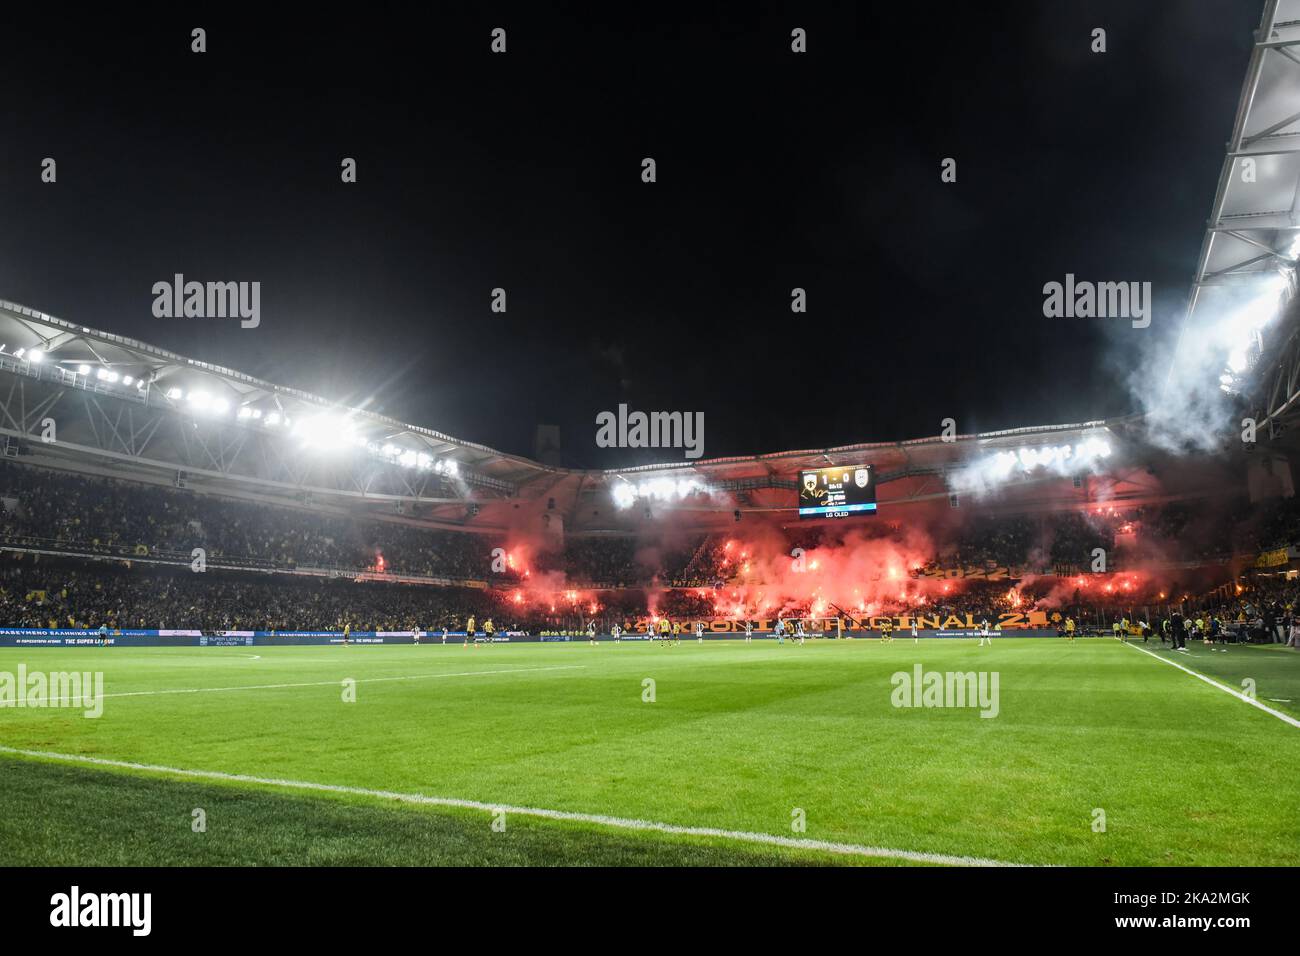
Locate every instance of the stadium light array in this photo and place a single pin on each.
(1064, 460)
(1060, 458)
(332, 432)
(409, 458)
(1242, 327)
(627, 493)
(325, 432)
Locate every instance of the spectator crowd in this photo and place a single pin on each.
(75, 542)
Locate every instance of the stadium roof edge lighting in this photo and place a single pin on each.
(47, 334)
(54, 333)
(1246, 269)
(866, 448)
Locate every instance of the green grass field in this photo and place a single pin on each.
(739, 738)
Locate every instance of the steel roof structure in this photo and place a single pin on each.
(1246, 273)
(126, 408)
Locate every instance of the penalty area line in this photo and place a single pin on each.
(1285, 718)
(622, 823)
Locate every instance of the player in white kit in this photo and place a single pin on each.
(984, 633)
(749, 631)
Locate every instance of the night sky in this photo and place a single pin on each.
(523, 171)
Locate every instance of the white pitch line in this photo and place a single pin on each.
(1285, 718)
(624, 823)
(330, 683)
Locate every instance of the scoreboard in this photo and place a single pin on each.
(837, 491)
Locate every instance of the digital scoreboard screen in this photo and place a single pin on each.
(837, 492)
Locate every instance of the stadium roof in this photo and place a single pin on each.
(165, 378)
(1246, 270)
(127, 407)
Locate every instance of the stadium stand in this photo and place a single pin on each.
(85, 550)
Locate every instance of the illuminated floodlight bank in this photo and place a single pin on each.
(1050, 456)
(627, 493)
(322, 433)
(1240, 328)
(1065, 460)
(409, 457)
(325, 432)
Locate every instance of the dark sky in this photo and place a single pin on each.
(523, 171)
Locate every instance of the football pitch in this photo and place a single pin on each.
(722, 753)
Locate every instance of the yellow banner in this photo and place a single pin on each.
(1272, 559)
(950, 622)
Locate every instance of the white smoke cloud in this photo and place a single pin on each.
(1187, 389)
